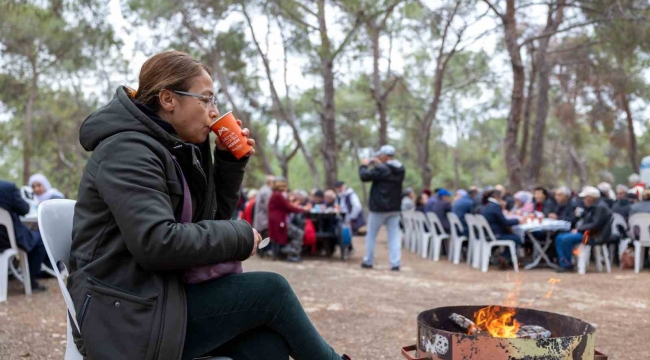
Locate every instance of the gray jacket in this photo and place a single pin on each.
(128, 249)
(261, 218)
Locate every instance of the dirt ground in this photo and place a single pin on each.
(370, 314)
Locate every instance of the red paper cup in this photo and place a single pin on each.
(229, 132)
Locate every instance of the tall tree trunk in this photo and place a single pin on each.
(580, 166)
(625, 103)
(569, 173)
(528, 105)
(537, 149)
(516, 100)
(28, 123)
(328, 111)
(423, 138)
(377, 90)
(364, 190)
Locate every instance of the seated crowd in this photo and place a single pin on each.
(589, 212)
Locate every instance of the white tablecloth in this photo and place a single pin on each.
(546, 225)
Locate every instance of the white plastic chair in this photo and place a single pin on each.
(642, 221)
(486, 246)
(457, 239)
(8, 255)
(423, 236)
(474, 247)
(438, 235)
(600, 252)
(407, 231)
(55, 223)
(619, 222)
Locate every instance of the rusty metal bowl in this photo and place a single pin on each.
(439, 338)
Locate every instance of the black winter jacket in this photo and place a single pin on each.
(386, 190)
(597, 219)
(128, 250)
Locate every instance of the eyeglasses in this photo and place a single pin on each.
(207, 100)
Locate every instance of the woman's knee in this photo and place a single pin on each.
(275, 282)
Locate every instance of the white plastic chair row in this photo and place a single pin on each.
(423, 234)
(7, 256)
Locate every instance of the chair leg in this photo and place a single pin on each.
(24, 264)
(608, 264)
(424, 247)
(450, 249)
(436, 250)
(485, 257)
(638, 257)
(513, 254)
(599, 258)
(4, 276)
(458, 246)
(470, 252)
(583, 254)
(478, 255)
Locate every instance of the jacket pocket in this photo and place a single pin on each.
(115, 324)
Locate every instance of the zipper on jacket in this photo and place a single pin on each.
(162, 321)
(83, 309)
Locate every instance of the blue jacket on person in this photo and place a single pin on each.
(11, 201)
(493, 213)
(461, 207)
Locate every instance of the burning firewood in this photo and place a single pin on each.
(533, 332)
(465, 323)
(523, 332)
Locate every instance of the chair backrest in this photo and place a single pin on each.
(642, 222)
(454, 224)
(419, 222)
(471, 226)
(55, 223)
(436, 224)
(484, 228)
(8, 223)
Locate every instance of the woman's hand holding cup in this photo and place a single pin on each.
(245, 133)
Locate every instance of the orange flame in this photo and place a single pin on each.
(552, 281)
(497, 321)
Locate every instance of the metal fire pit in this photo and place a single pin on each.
(439, 338)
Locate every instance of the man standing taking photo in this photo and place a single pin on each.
(386, 174)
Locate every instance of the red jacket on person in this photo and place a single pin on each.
(248, 211)
(279, 208)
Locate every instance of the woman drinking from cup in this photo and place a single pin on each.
(152, 206)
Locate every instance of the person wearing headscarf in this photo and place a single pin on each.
(43, 190)
(523, 203)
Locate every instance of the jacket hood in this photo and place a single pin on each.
(120, 115)
(395, 164)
